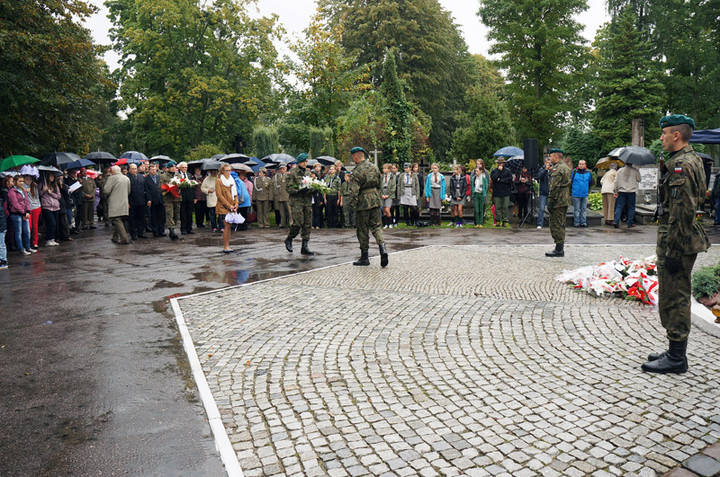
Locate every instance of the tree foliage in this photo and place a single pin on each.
(543, 56)
(266, 140)
(581, 144)
(628, 82)
(486, 124)
(398, 110)
(53, 88)
(328, 76)
(431, 55)
(192, 71)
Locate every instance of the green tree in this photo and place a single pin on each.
(329, 78)
(431, 55)
(53, 88)
(397, 148)
(628, 83)
(487, 124)
(202, 151)
(193, 72)
(294, 137)
(266, 140)
(543, 56)
(581, 144)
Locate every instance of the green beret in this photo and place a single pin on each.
(171, 163)
(676, 120)
(358, 149)
(302, 157)
(556, 150)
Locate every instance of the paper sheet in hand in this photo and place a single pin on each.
(75, 187)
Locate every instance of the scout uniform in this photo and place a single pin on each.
(679, 239)
(364, 197)
(559, 201)
(263, 195)
(300, 205)
(282, 199)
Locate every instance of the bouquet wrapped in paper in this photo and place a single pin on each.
(234, 218)
(183, 183)
(315, 185)
(630, 279)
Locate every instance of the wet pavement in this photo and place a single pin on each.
(95, 380)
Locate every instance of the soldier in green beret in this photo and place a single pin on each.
(680, 239)
(558, 200)
(364, 197)
(300, 205)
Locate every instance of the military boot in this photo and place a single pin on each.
(288, 245)
(656, 356)
(674, 361)
(363, 261)
(558, 252)
(305, 250)
(383, 255)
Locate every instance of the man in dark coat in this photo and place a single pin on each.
(138, 201)
(157, 206)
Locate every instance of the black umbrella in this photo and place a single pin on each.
(515, 164)
(278, 158)
(637, 155)
(217, 157)
(100, 156)
(80, 163)
(326, 160)
(160, 158)
(212, 165)
(199, 162)
(705, 157)
(59, 158)
(42, 168)
(235, 158)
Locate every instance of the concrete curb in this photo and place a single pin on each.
(703, 318)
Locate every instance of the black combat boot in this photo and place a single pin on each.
(383, 255)
(674, 361)
(305, 250)
(363, 261)
(558, 252)
(656, 356)
(173, 235)
(288, 245)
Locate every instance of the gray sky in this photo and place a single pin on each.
(295, 16)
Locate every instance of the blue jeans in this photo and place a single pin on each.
(542, 203)
(51, 219)
(22, 232)
(579, 206)
(625, 199)
(3, 250)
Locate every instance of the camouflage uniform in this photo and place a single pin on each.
(88, 205)
(559, 200)
(348, 212)
(300, 203)
(364, 198)
(680, 236)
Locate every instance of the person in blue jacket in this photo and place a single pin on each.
(243, 197)
(580, 182)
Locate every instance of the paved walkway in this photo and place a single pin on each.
(452, 361)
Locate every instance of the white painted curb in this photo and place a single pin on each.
(222, 441)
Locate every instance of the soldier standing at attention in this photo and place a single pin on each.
(172, 203)
(300, 205)
(559, 200)
(364, 197)
(679, 239)
(263, 196)
(282, 198)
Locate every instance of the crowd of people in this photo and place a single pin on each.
(150, 202)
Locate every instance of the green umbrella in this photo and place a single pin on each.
(14, 161)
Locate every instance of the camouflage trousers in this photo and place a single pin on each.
(172, 213)
(368, 221)
(301, 220)
(557, 224)
(674, 296)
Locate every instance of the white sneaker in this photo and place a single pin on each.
(55, 243)
(25, 252)
(539, 226)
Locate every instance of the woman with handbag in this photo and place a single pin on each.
(227, 202)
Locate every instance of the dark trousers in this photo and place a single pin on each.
(51, 218)
(523, 199)
(317, 215)
(186, 211)
(410, 214)
(63, 228)
(395, 213)
(201, 212)
(332, 211)
(625, 199)
(137, 221)
(157, 218)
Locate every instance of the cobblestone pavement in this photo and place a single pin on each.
(456, 360)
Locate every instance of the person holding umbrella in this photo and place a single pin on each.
(502, 180)
(679, 239)
(50, 195)
(559, 200)
(625, 190)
